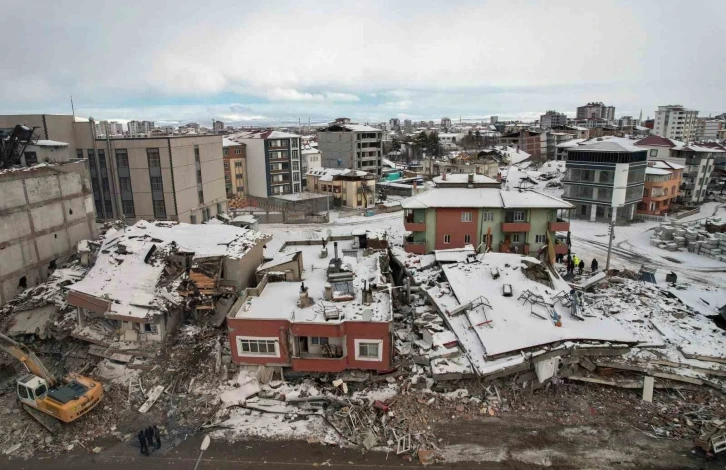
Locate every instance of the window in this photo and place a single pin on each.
(193, 219)
(653, 152)
(295, 155)
(237, 151)
(247, 346)
(540, 238)
(90, 156)
(447, 239)
(23, 392)
(368, 350)
(157, 183)
(238, 164)
(293, 142)
(104, 183)
(295, 166)
(159, 209)
(128, 207)
(515, 238)
(196, 153)
(296, 176)
(31, 158)
(40, 391)
(239, 176)
(199, 176)
(125, 183)
(220, 209)
(318, 340)
(467, 238)
(122, 158)
(79, 153)
(102, 159)
(154, 158)
(487, 216)
(466, 216)
(225, 152)
(518, 216)
(109, 208)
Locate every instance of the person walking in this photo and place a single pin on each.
(157, 437)
(593, 265)
(581, 265)
(142, 443)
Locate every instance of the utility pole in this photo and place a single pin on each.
(611, 232)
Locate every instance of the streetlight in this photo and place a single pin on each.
(205, 446)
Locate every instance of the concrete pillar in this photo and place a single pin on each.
(593, 212)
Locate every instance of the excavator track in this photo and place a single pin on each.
(51, 424)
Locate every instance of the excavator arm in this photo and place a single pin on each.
(28, 358)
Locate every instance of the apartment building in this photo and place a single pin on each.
(699, 162)
(354, 146)
(674, 121)
(140, 127)
(552, 119)
(234, 155)
(109, 128)
(596, 110)
(311, 160)
(44, 212)
(158, 178)
(709, 128)
(662, 186)
(532, 142)
(603, 175)
(445, 123)
(217, 126)
(273, 162)
(350, 188)
(487, 218)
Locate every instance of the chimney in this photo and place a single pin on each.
(443, 176)
(328, 291)
(335, 247)
(304, 298)
(366, 300)
(471, 178)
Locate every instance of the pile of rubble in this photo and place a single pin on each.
(706, 237)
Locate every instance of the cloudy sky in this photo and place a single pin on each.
(247, 62)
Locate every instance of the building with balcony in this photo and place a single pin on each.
(487, 218)
(273, 162)
(596, 110)
(234, 155)
(676, 122)
(531, 142)
(552, 119)
(605, 175)
(355, 146)
(337, 316)
(662, 186)
(158, 178)
(349, 188)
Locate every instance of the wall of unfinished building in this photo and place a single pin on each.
(44, 213)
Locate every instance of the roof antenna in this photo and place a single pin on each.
(73, 109)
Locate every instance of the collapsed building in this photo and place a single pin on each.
(148, 277)
(334, 314)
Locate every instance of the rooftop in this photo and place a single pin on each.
(667, 165)
(329, 174)
(458, 178)
(263, 134)
(49, 143)
(609, 144)
(226, 142)
(656, 171)
(351, 128)
(484, 197)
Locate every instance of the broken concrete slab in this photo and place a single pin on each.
(648, 383)
(154, 395)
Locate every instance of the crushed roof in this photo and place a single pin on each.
(329, 174)
(264, 134)
(352, 128)
(484, 197)
(49, 143)
(667, 165)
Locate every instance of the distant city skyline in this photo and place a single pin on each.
(420, 60)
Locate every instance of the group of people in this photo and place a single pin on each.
(148, 437)
(574, 262)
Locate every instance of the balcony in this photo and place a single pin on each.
(559, 226)
(511, 227)
(521, 248)
(280, 182)
(560, 249)
(417, 248)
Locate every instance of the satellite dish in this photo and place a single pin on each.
(367, 314)
(205, 443)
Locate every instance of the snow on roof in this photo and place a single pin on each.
(609, 144)
(699, 148)
(329, 174)
(570, 143)
(484, 197)
(281, 258)
(454, 255)
(279, 300)
(456, 178)
(388, 163)
(656, 171)
(49, 143)
(667, 165)
(227, 142)
(264, 134)
(309, 151)
(514, 154)
(80, 119)
(513, 327)
(246, 219)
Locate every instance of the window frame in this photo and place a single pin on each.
(360, 342)
(447, 239)
(467, 216)
(249, 340)
(467, 238)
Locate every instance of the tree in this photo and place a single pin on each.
(477, 138)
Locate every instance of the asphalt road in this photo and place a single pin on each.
(227, 456)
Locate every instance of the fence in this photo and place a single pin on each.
(649, 217)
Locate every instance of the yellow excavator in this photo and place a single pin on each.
(43, 396)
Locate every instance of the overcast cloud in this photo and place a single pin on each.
(274, 61)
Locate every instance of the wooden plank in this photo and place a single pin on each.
(154, 395)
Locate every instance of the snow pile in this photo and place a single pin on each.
(246, 385)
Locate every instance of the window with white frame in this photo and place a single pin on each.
(368, 350)
(515, 238)
(318, 340)
(518, 216)
(487, 216)
(467, 238)
(540, 238)
(466, 217)
(447, 239)
(254, 346)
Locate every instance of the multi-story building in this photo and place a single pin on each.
(605, 175)
(350, 188)
(709, 128)
(673, 121)
(354, 146)
(394, 124)
(486, 218)
(109, 128)
(217, 126)
(445, 123)
(44, 212)
(699, 162)
(140, 127)
(407, 126)
(596, 110)
(532, 142)
(235, 167)
(273, 162)
(626, 122)
(552, 119)
(662, 185)
(554, 139)
(163, 178)
(311, 160)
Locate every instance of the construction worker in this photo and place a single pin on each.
(593, 266)
(576, 260)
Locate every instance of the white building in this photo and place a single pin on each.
(354, 146)
(675, 122)
(217, 126)
(273, 162)
(140, 127)
(708, 128)
(552, 119)
(109, 128)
